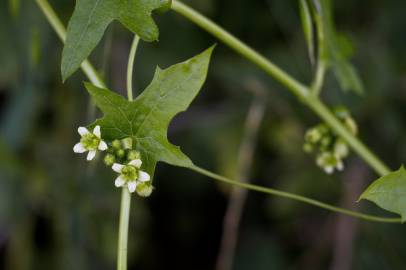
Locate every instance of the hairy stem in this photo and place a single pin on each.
(60, 30)
(302, 92)
(295, 197)
(130, 67)
(123, 229)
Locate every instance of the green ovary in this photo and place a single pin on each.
(129, 173)
(90, 141)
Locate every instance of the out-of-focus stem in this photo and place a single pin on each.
(238, 196)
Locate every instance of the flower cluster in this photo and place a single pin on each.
(120, 156)
(330, 149)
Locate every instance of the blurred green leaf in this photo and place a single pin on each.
(389, 192)
(8, 160)
(336, 50)
(147, 118)
(14, 6)
(91, 18)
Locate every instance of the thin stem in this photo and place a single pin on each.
(295, 87)
(130, 67)
(123, 229)
(232, 217)
(321, 57)
(295, 197)
(60, 30)
(319, 78)
(126, 195)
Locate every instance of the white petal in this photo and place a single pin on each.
(117, 167)
(119, 182)
(329, 170)
(91, 155)
(96, 131)
(143, 176)
(79, 148)
(83, 131)
(136, 163)
(102, 146)
(132, 186)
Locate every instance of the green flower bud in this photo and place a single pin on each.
(127, 143)
(133, 155)
(351, 125)
(120, 153)
(313, 135)
(109, 160)
(326, 141)
(144, 190)
(116, 144)
(341, 149)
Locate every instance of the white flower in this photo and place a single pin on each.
(330, 162)
(130, 174)
(90, 141)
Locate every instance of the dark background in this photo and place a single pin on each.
(59, 212)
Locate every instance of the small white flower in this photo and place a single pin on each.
(330, 162)
(90, 141)
(130, 175)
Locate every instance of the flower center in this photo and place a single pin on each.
(90, 141)
(130, 173)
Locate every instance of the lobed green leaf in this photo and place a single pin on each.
(146, 119)
(90, 20)
(389, 192)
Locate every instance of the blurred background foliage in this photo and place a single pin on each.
(59, 212)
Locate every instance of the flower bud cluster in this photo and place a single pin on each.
(120, 156)
(330, 149)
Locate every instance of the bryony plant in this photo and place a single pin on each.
(133, 132)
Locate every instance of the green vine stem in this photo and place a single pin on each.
(123, 229)
(318, 107)
(319, 78)
(130, 67)
(126, 195)
(302, 92)
(293, 197)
